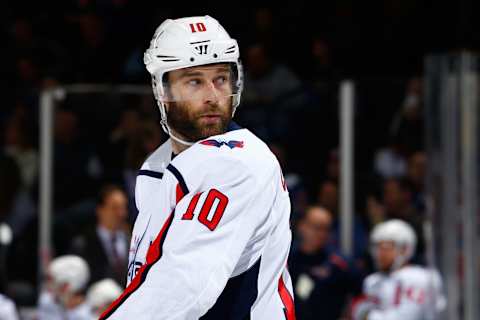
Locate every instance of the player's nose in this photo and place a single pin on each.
(212, 94)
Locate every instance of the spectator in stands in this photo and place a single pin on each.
(72, 179)
(64, 293)
(322, 74)
(416, 170)
(113, 152)
(19, 146)
(328, 198)
(408, 124)
(264, 27)
(269, 86)
(322, 278)
(333, 166)
(95, 58)
(398, 200)
(105, 245)
(390, 161)
(397, 203)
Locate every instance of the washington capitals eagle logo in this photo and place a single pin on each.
(215, 143)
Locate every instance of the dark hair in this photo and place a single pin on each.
(325, 182)
(403, 183)
(106, 191)
(303, 215)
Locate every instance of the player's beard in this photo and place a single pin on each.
(189, 125)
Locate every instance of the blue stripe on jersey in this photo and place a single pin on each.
(153, 174)
(237, 298)
(179, 177)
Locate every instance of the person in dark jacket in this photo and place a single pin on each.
(105, 245)
(322, 278)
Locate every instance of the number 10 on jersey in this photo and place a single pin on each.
(213, 196)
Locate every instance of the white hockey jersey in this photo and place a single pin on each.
(412, 292)
(8, 311)
(49, 309)
(212, 236)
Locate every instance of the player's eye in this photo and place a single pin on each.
(193, 82)
(221, 80)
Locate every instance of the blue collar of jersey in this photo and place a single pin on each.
(232, 126)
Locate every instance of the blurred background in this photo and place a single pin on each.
(412, 69)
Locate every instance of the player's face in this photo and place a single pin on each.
(113, 212)
(315, 229)
(201, 101)
(385, 254)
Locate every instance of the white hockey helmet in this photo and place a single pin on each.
(190, 42)
(71, 270)
(103, 293)
(401, 234)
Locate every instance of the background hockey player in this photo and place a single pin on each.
(398, 290)
(101, 294)
(8, 310)
(64, 296)
(212, 236)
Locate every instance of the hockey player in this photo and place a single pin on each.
(64, 297)
(8, 310)
(101, 294)
(398, 291)
(212, 236)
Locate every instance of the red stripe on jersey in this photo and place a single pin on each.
(287, 300)
(398, 295)
(153, 255)
(355, 302)
(179, 193)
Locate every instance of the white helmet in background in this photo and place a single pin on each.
(71, 270)
(401, 234)
(102, 293)
(190, 42)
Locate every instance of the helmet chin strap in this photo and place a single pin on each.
(180, 140)
(166, 127)
(168, 131)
